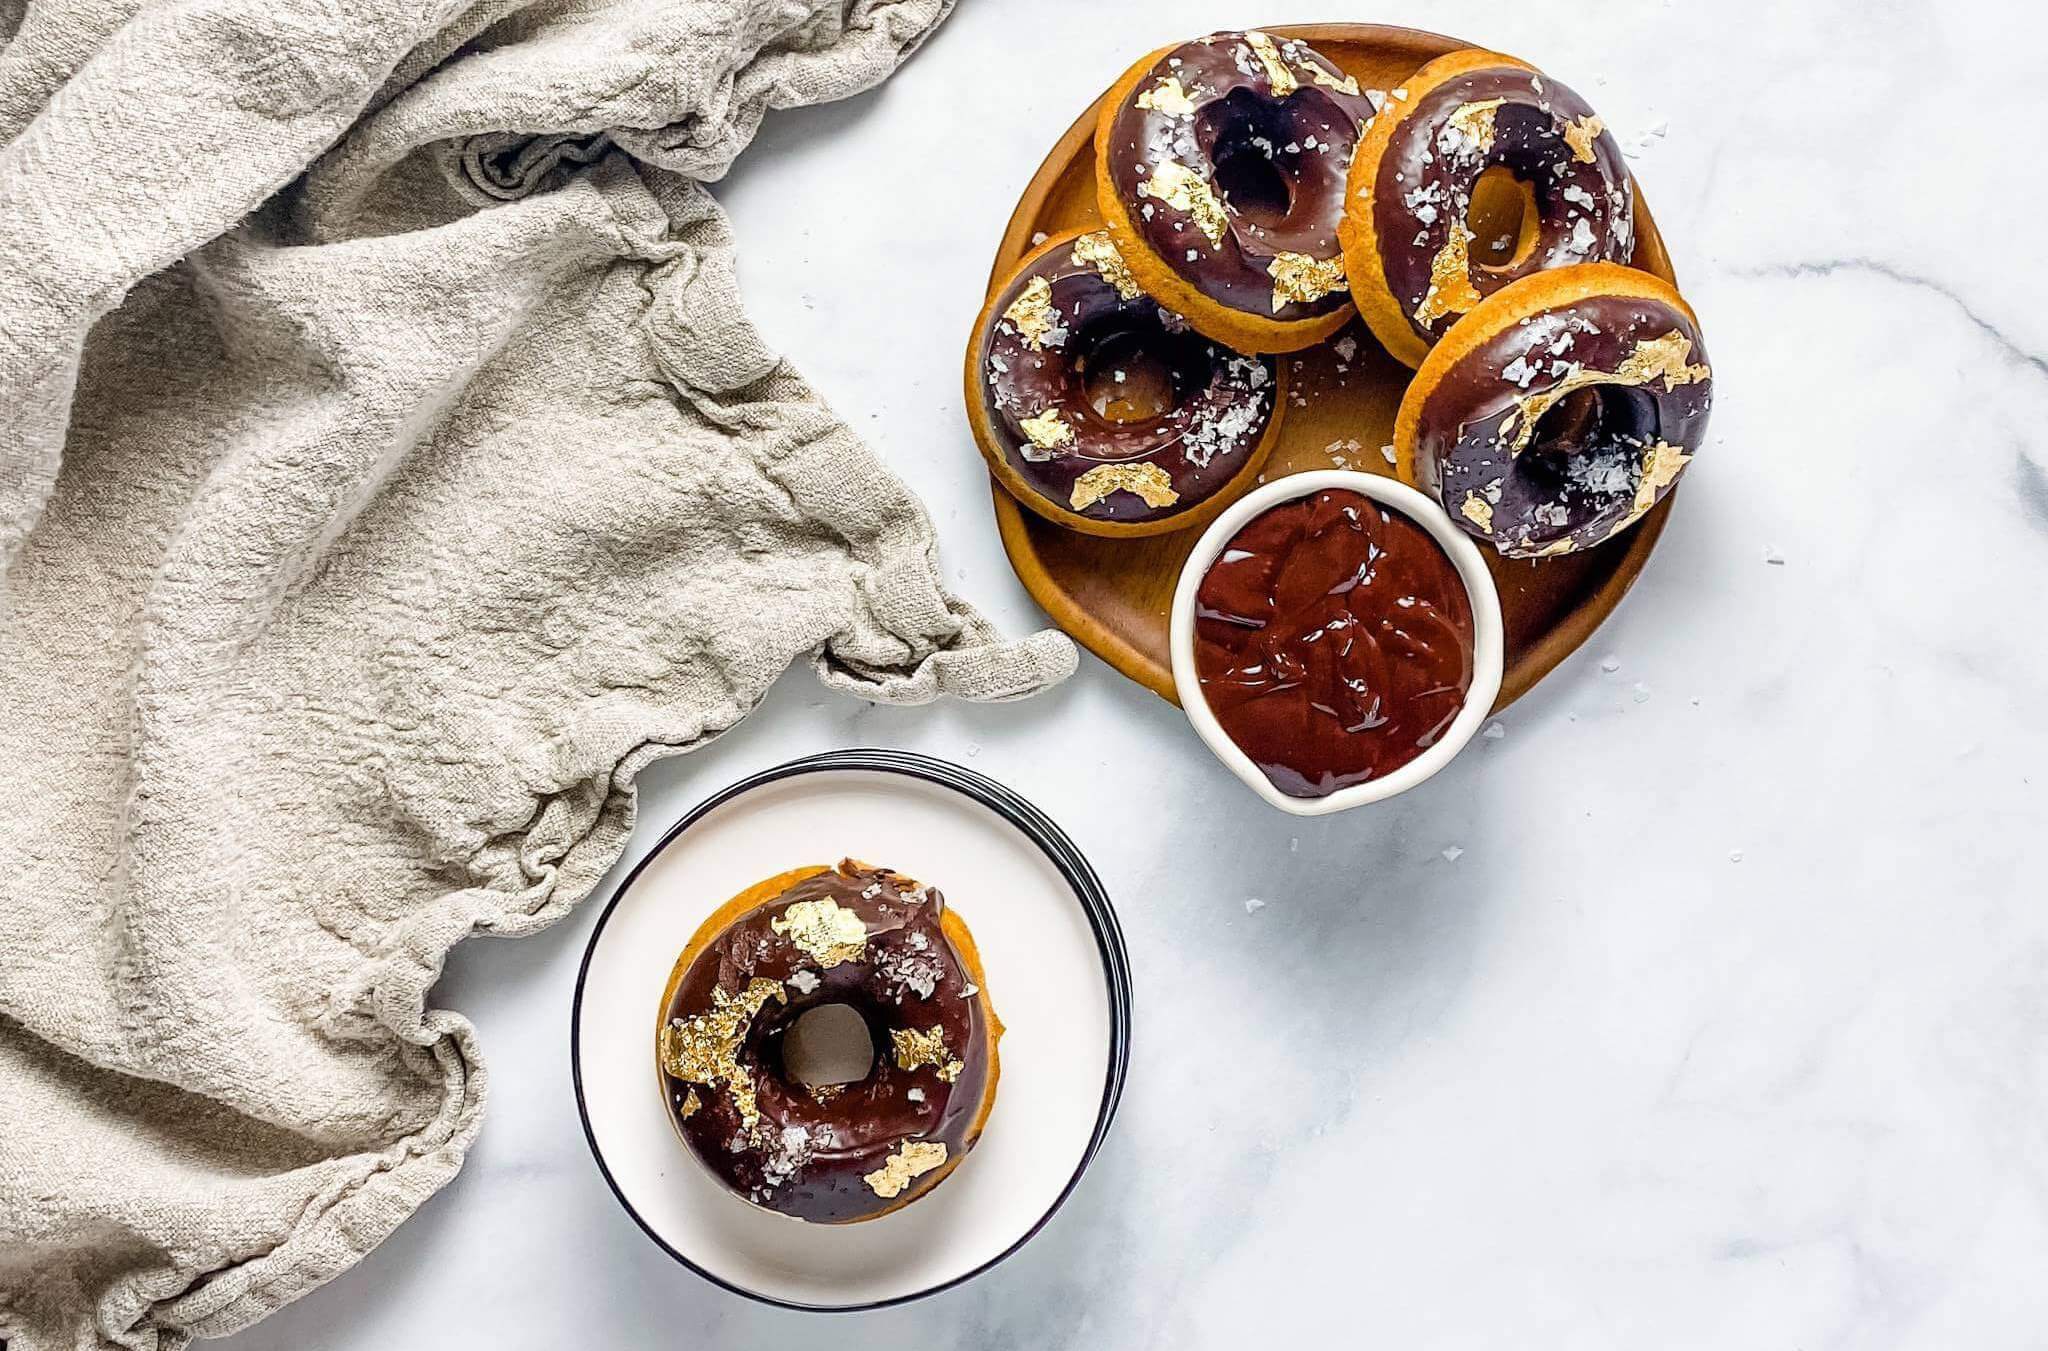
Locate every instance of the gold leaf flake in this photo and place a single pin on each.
(1450, 279)
(692, 1104)
(1031, 313)
(827, 931)
(704, 1048)
(1186, 191)
(1667, 358)
(1099, 252)
(1343, 84)
(1277, 74)
(1283, 77)
(1474, 121)
(1147, 480)
(914, 1160)
(1300, 278)
(914, 1049)
(1477, 510)
(1047, 431)
(1167, 97)
(1660, 469)
(1581, 134)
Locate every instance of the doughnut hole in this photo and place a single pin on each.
(1134, 371)
(1246, 138)
(1594, 417)
(1572, 424)
(1587, 447)
(830, 1044)
(1503, 219)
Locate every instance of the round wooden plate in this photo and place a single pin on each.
(1112, 595)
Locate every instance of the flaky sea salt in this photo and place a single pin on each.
(1453, 854)
(1254, 906)
(1640, 146)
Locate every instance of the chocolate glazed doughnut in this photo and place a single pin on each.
(1560, 410)
(853, 935)
(1476, 127)
(1104, 413)
(1220, 172)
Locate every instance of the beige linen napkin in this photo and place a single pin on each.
(387, 474)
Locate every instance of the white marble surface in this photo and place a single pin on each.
(1728, 1028)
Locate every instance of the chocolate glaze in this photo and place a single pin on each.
(1333, 640)
(1287, 157)
(1585, 212)
(1218, 406)
(809, 1157)
(1580, 479)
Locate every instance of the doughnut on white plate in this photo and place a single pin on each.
(1056, 971)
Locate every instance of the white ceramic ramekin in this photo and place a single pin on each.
(1487, 653)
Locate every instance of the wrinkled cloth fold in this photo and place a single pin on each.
(388, 474)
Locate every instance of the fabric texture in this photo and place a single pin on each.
(387, 474)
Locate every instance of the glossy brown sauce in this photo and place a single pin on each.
(1333, 640)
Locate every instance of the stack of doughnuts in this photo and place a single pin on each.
(1254, 197)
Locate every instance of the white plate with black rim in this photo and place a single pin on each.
(1056, 970)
